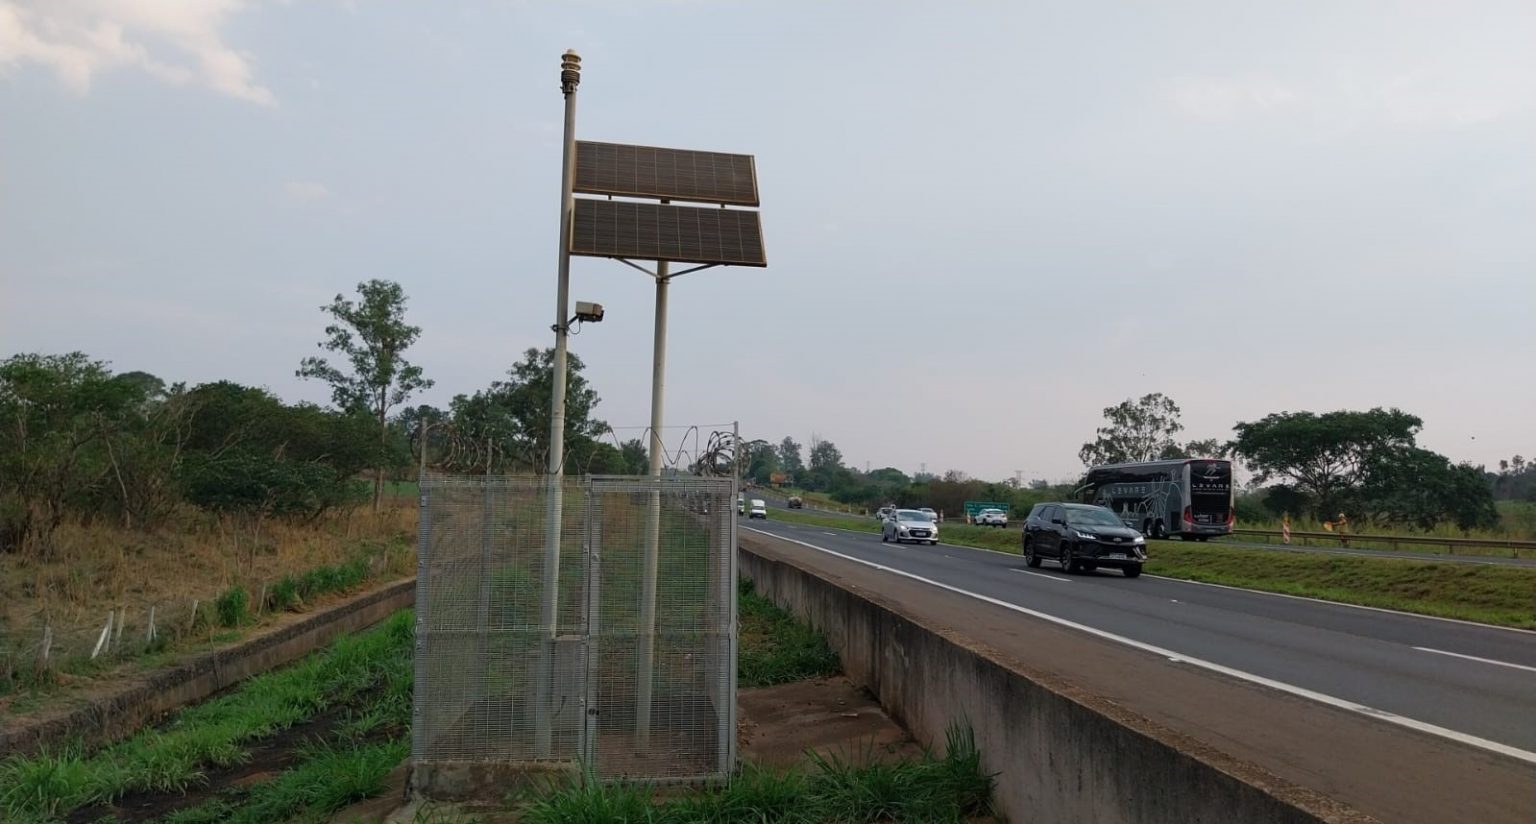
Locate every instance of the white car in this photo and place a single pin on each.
(992, 517)
(910, 525)
(759, 509)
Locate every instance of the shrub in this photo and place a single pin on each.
(231, 606)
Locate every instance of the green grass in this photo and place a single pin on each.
(328, 778)
(774, 648)
(1491, 594)
(946, 789)
(213, 734)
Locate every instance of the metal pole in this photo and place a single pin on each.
(653, 525)
(570, 77)
(729, 733)
(421, 469)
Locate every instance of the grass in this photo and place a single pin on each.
(931, 789)
(774, 648)
(1490, 594)
(103, 568)
(213, 734)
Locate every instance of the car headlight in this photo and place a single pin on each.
(1139, 540)
(1086, 536)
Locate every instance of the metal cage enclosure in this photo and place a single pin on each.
(481, 646)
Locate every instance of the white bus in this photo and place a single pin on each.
(1187, 497)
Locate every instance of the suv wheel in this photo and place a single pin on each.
(1068, 563)
(1030, 558)
(1132, 571)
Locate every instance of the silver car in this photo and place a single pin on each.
(910, 525)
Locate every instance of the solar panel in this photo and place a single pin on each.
(680, 174)
(655, 231)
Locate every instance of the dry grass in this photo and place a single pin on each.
(99, 568)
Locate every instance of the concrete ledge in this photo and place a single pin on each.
(142, 699)
(1058, 753)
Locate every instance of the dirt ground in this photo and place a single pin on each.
(829, 716)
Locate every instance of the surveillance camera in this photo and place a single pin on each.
(589, 312)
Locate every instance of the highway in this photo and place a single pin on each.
(1016, 524)
(1463, 692)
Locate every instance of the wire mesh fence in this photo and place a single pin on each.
(494, 683)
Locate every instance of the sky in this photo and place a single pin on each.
(985, 222)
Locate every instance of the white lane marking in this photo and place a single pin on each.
(1477, 624)
(1043, 575)
(1321, 698)
(833, 534)
(1462, 621)
(1475, 658)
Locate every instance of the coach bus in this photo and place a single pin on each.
(1187, 497)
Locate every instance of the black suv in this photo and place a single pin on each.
(1082, 538)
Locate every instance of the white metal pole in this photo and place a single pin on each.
(570, 77)
(647, 655)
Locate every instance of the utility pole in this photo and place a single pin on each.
(570, 78)
(651, 560)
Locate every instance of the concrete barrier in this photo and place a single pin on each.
(1058, 755)
(142, 699)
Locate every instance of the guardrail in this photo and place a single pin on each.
(1398, 541)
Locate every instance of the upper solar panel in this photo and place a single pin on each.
(669, 174)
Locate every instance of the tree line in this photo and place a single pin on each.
(80, 441)
(1366, 464)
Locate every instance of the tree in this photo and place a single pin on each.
(759, 461)
(825, 465)
(637, 459)
(1208, 448)
(514, 414)
(373, 336)
(1142, 430)
(790, 462)
(1417, 487)
(57, 413)
(1325, 456)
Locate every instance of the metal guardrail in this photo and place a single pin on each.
(1397, 541)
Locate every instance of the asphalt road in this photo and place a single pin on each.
(1016, 524)
(1470, 686)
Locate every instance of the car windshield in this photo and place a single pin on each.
(757, 503)
(911, 515)
(991, 512)
(1092, 517)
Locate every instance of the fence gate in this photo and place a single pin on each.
(481, 647)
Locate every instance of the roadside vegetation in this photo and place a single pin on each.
(338, 718)
(773, 647)
(1492, 594)
(934, 789)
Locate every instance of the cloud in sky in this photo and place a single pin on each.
(173, 41)
(306, 191)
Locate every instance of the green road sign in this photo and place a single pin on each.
(972, 508)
